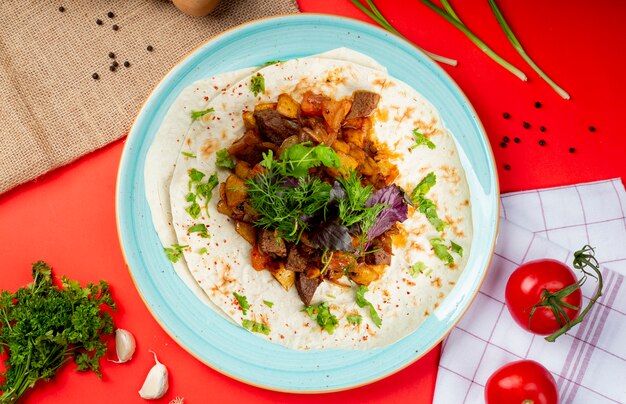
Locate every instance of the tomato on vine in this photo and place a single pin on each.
(544, 296)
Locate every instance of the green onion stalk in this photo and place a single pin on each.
(378, 17)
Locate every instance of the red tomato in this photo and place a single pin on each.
(526, 287)
(521, 382)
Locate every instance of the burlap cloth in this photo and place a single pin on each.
(51, 109)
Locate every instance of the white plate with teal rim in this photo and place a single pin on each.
(229, 348)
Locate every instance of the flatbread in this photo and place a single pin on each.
(402, 301)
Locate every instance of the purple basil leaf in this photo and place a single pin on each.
(396, 209)
(332, 236)
(290, 182)
(337, 192)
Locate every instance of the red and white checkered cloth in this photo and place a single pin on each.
(588, 363)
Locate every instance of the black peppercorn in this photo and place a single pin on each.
(507, 167)
(537, 104)
(572, 150)
(505, 139)
(110, 14)
(61, 8)
(542, 128)
(506, 115)
(503, 144)
(542, 142)
(149, 48)
(592, 129)
(115, 64)
(112, 55)
(99, 21)
(127, 64)
(517, 140)
(115, 27)
(95, 76)
(526, 125)
(112, 68)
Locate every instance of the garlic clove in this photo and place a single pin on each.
(156, 384)
(124, 345)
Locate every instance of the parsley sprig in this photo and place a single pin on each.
(424, 204)
(203, 190)
(175, 252)
(361, 301)
(422, 140)
(199, 114)
(257, 84)
(43, 326)
(322, 315)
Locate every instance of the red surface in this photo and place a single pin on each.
(68, 219)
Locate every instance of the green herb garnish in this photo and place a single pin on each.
(352, 209)
(296, 160)
(195, 176)
(361, 301)
(175, 252)
(257, 85)
(224, 159)
(417, 268)
(199, 114)
(203, 191)
(283, 207)
(272, 62)
(354, 319)
(422, 140)
(193, 210)
(425, 205)
(203, 251)
(255, 327)
(199, 228)
(441, 250)
(42, 327)
(243, 302)
(377, 16)
(424, 186)
(268, 303)
(321, 313)
(190, 155)
(454, 247)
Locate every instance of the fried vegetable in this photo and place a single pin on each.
(338, 264)
(312, 103)
(247, 231)
(287, 106)
(264, 105)
(285, 277)
(334, 112)
(364, 274)
(243, 170)
(248, 120)
(235, 191)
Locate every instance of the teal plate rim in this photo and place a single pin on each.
(228, 348)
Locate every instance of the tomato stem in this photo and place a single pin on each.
(583, 259)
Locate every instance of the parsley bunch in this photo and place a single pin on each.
(42, 327)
